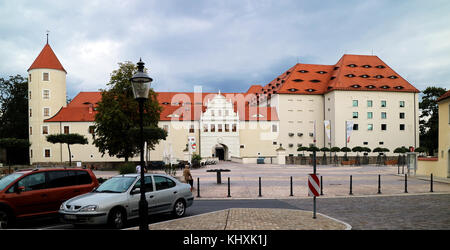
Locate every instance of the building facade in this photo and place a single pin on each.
(288, 112)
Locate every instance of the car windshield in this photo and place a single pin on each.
(116, 185)
(5, 181)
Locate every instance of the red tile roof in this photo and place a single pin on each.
(351, 72)
(444, 96)
(183, 106)
(47, 60)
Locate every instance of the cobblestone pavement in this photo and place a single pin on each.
(398, 212)
(253, 219)
(275, 180)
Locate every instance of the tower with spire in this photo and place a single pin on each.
(46, 96)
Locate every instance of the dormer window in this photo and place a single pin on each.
(321, 72)
(297, 80)
(303, 71)
(392, 77)
(165, 103)
(380, 67)
(367, 66)
(385, 87)
(399, 87)
(352, 65)
(293, 89)
(332, 78)
(370, 86)
(287, 72)
(350, 75)
(310, 90)
(356, 86)
(335, 68)
(364, 76)
(379, 76)
(314, 80)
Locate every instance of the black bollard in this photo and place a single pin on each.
(351, 193)
(229, 191)
(406, 183)
(292, 191)
(198, 187)
(379, 184)
(431, 183)
(259, 187)
(321, 185)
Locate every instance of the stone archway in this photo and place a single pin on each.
(221, 151)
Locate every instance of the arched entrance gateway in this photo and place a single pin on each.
(221, 151)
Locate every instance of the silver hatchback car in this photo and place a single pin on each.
(117, 200)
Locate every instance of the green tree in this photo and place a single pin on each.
(13, 145)
(345, 150)
(429, 119)
(324, 157)
(117, 120)
(68, 139)
(14, 115)
(335, 150)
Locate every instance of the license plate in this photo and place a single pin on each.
(70, 217)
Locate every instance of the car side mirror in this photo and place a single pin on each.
(135, 191)
(20, 189)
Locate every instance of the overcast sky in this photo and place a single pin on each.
(224, 45)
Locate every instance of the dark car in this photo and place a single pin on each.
(41, 191)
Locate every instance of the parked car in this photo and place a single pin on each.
(41, 191)
(116, 200)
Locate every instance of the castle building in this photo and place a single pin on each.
(359, 101)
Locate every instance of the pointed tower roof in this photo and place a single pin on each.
(47, 60)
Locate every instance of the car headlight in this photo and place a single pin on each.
(90, 208)
(61, 207)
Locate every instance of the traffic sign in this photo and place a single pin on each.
(313, 185)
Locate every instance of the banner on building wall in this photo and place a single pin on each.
(327, 125)
(349, 130)
(192, 144)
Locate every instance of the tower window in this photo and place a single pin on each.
(355, 103)
(383, 127)
(370, 127)
(402, 104)
(46, 111)
(355, 115)
(383, 104)
(46, 94)
(402, 115)
(45, 76)
(402, 126)
(66, 130)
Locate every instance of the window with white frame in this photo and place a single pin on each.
(46, 111)
(45, 76)
(46, 94)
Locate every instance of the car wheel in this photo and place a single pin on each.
(117, 218)
(179, 209)
(5, 219)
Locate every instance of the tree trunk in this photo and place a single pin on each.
(70, 155)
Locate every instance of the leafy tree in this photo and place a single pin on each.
(335, 150)
(346, 150)
(68, 139)
(324, 157)
(358, 150)
(13, 145)
(14, 115)
(429, 119)
(117, 120)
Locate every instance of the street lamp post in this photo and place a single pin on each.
(140, 83)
